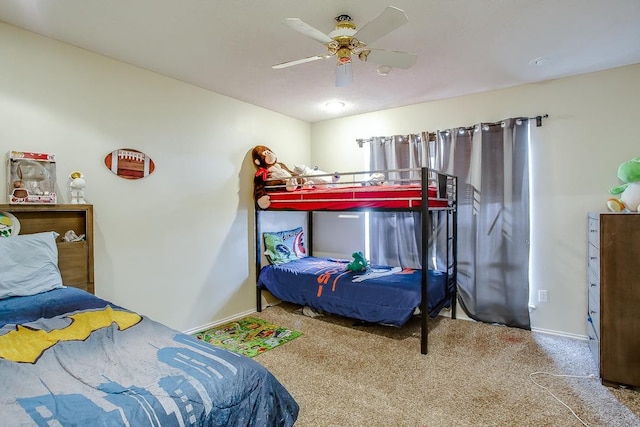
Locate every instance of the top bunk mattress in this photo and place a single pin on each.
(355, 197)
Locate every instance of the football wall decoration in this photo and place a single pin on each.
(129, 163)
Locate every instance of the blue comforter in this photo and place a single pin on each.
(69, 358)
(382, 294)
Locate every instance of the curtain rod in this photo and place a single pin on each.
(432, 135)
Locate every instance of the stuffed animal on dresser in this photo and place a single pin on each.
(628, 194)
(270, 173)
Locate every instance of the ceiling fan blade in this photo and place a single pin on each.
(344, 74)
(306, 29)
(392, 58)
(299, 61)
(390, 19)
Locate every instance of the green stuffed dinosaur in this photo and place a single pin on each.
(629, 191)
(359, 263)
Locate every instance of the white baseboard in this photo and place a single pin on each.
(461, 315)
(218, 322)
(560, 334)
(444, 312)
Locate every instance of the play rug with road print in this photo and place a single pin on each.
(248, 336)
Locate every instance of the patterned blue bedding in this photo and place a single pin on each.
(383, 294)
(69, 358)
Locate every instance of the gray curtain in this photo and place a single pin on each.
(491, 163)
(395, 238)
(492, 166)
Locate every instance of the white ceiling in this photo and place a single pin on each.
(463, 46)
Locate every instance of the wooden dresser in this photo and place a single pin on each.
(613, 274)
(75, 259)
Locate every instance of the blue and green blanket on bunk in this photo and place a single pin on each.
(380, 294)
(70, 358)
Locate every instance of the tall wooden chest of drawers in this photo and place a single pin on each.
(613, 274)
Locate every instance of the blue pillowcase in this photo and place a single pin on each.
(284, 246)
(29, 264)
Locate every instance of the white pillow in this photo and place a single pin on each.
(29, 264)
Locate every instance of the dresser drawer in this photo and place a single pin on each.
(593, 231)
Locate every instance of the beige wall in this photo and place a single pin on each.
(174, 245)
(178, 245)
(589, 132)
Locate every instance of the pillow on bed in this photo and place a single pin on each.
(29, 264)
(284, 246)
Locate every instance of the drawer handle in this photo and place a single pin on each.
(592, 230)
(593, 257)
(593, 285)
(592, 312)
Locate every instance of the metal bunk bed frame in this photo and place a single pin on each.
(446, 186)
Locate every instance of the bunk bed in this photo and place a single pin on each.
(387, 295)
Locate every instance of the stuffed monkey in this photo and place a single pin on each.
(269, 169)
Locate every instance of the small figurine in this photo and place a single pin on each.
(71, 236)
(77, 185)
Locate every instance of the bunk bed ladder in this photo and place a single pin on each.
(454, 250)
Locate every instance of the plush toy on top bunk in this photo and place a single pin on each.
(316, 177)
(270, 169)
(272, 175)
(629, 191)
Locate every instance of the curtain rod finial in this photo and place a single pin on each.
(539, 120)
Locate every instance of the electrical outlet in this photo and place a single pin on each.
(542, 295)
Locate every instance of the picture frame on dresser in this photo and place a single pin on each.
(613, 291)
(75, 259)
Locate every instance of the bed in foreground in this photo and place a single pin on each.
(70, 358)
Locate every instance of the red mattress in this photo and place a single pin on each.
(341, 198)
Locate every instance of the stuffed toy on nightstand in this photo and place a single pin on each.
(629, 191)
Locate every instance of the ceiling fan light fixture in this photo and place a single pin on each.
(344, 74)
(345, 42)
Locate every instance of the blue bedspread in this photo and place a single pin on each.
(382, 294)
(69, 358)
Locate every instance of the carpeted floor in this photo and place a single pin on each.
(474, 375)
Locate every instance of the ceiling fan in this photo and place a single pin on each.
(345, 41)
